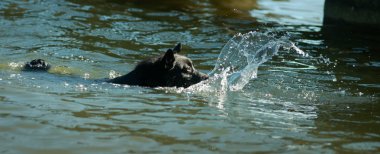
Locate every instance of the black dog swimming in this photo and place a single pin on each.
(167, 70)
(36, 65)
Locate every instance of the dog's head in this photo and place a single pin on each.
(180, 71)
(36, 65)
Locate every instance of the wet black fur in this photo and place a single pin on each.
(167, 70)
(36, 65)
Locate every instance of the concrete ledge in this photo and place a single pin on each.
(356, 12)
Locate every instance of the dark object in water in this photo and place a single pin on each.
(363, 14)
(167, 70)
(36, 65)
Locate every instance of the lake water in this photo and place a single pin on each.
(323, 101)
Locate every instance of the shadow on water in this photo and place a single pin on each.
(351, 33)
(352, 56)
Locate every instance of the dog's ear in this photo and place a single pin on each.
(168, 59)
(177, 48)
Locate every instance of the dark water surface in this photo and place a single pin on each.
(327, 102)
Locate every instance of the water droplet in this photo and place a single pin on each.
(86, 75)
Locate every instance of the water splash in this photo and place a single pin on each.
(240, 58)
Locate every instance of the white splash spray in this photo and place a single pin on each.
(239, 60)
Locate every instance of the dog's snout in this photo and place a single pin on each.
(204, 77)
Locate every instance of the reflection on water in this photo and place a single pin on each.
(326, 102)
(290, 12)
